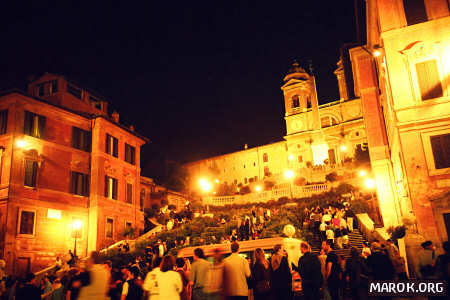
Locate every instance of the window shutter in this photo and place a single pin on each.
(28, 121)
(87, 142)
(86, 185)
(115, 147)
(429, 81)
(4, 121)
(108, 143)
(114, 195)
(41, 124)
(106, 186)
(34, 173)
(75, 137)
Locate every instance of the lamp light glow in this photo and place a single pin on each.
(362, 173)
(258, 188)
(205, 185)
(343, 148)
(370, 183)
(76, 225)
(291, 157)
(289, 174)
(376, 53)
(21, 143)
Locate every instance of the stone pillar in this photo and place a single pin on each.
(376, 138)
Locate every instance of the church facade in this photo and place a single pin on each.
(319, 139)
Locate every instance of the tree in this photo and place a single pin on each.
(175, 176)
(331, 177)
(362, 155)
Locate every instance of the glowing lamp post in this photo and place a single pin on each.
(21, 144)
(258, 188)
(289, 175)
(76, 227)
(205, 185)
(362, 173)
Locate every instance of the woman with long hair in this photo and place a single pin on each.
(260, 275)
(169, 281)
(281, 277)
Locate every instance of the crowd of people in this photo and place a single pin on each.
(323, 276)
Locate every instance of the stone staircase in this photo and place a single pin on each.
(356, 239)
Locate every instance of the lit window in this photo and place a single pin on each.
(31, 167)
(79, 184)
(34, 125)
(111, 187)
(328, 121)
(109, 228)
(81, 139)
(266, 171)
(300, 159)
(265, 157)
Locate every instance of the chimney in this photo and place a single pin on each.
(115, 116)
(131, 127)
(245, 146)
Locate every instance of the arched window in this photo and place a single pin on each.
(328, 121)
(295, 101)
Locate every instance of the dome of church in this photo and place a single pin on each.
(295, 71)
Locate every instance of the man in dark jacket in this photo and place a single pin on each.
(310, 272)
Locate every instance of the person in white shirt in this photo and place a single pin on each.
(323, 229)
(330, 235)
(151, 285)
(169, 281)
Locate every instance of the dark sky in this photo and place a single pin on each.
(199, 78)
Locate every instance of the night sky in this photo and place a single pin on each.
(197, 78)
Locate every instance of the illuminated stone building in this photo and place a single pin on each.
(402, 77)
(319, 139)
(64, 161)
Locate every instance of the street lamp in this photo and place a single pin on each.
(258, 188)
(76, 226)
(289, 175)
(205, 185)
(370, 183)
(362, 173)
(21, 144)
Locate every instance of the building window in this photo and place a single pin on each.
(27, 222)
(53, 86)
(112, 145)
(110, 187)
(245, 180)
(79, 184)
(295, 101)
(440, 145)
(328, 121)
(266, 171)
(30, 173)
(265, 157)
(128, 226)
(300, 159)
(415, 11)
(129, 193)
(34, 125)
(3, 121)
(429, 81)
(109, 228)
(73, 90)
(40, 90)
(81, 139)
(130, 154)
